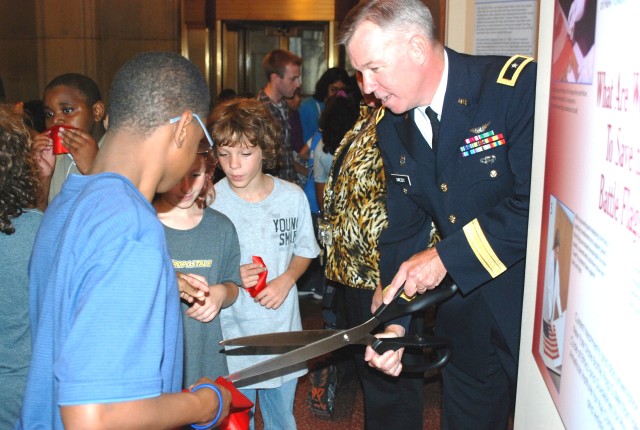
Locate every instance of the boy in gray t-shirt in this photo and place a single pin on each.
(273, 221)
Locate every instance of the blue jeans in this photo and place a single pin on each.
(276, 405)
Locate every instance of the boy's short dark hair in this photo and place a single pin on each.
(276, 61)
(154, 87)
(80, 82)
(249, 122)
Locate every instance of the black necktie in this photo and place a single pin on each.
(435, 127)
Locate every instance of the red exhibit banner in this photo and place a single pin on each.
(588, 299)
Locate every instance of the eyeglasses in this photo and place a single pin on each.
(196, 116)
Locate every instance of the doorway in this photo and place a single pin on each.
(245, 43)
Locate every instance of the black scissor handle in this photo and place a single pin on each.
(399, 307)
(426, 343)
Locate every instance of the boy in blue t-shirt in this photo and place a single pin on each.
(104, 305)
(273, 222)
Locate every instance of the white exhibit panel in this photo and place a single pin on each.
(506, 27)
(585, 338)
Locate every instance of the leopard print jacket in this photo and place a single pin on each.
(355, 207)
(354, 203)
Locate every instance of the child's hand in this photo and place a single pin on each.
(205, 310)
(249, 274)
(192, 287)
(82, 147)
(210, 401)
(43, 153)
(275, 293)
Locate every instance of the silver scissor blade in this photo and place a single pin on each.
(304, 353)
(290, 338)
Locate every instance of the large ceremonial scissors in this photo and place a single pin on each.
(313, 343)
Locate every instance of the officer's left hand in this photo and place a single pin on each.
(390, 362)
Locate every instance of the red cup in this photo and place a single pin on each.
(54, 133)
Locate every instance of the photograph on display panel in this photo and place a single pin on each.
(556, 287)
(573, 41)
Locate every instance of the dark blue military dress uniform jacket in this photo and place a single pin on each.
(476, 190)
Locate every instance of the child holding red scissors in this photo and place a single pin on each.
(273, 221)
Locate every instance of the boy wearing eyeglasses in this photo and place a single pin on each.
(104, 305)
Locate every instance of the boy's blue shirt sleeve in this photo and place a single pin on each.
(126, 295)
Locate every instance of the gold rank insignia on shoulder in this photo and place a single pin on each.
(379, 114)
(512, 68)
(481, 129)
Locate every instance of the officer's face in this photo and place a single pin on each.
(388, 70)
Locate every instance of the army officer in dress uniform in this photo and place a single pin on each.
(456, 139)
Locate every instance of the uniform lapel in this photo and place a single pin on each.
(458, 112)
(413, 141)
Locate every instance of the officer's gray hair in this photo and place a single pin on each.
(391, 15)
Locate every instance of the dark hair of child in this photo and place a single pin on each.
(133, 100)
(331, 75)
(82, 83)
(339, 115)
